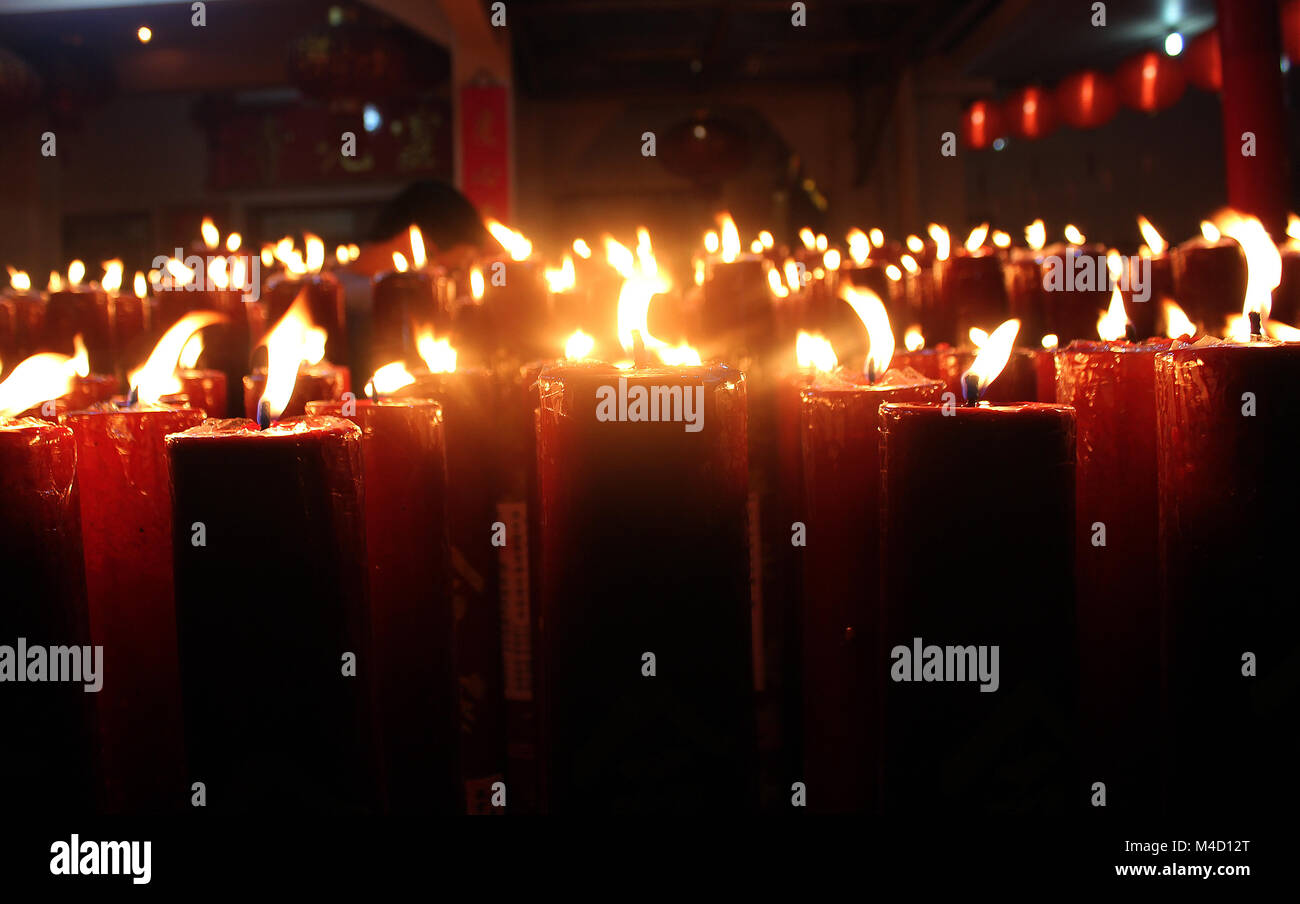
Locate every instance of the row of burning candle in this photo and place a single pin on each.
(680, 504)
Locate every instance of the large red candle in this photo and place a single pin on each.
(1228, 424)
(405, 479)
(986, 495)
(24, 315)
(404, 304)
(736, 314)
(842, 684)
(645, 565)
(1209, 281)
(1111, 386)
(46, 760)
(971, 291)
(84, 311)
(271, 605)
(126, 517)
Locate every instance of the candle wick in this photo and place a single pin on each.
(1256, 326)
(263, 414)
(871, 370)
(971, 390)
(639, 356)
(1130, 332)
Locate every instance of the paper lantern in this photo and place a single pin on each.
(1151, 81)
(980, 124)
(1203, 63)
(1029, 112)
(1086, 99)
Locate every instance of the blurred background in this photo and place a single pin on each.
(833, 124)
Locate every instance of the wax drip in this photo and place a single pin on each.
(971, 390)
(639, 356)
(1256, 326)
(263, 414)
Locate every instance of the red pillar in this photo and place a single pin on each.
(1249, 37)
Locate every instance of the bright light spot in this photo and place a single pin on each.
(999, 143)
(371, 120)
(1174, 44)
(144, 33)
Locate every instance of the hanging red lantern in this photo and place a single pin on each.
(1150, 81)
(1203, 62)
(1086, 99)
(1029, 112)
(980, 124)
(1291, 30)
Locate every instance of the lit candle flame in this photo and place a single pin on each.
(913, 339)
(211, 237)
(1177, 323)
(767, 239)
(56, 282)
(80, 361)
(564, 279)
(808, 238)
(389, 378)
(1073, 235)
(180, 274)
(286, 349)
(1112, 325)
(831, 259)
(893, 272)
(1155, 241)
(1263, 261)
(418, 258)
(915, 244)
(729, 236)
(341, 254)
(909, 264)
(582, 249)
(233, 241)
(822, 242)
(880, 337)
(35, 380)
(1050, 341)
(1036, 235)
(191, 352)
(1001, 239)
(438, 355)
(859, 246)
(942, 241)
(157, 376)
(992, 358)
(756, 246)
(977, 336)
(813, 351)
(315, 253)
(1115, 264)
(877, 237)
(399, 262)
(793, 278)
(774, 283)
(139, 284)
(268, 255)
(476, 285)
(76, 273)
(579, 346)
(976, 238)
(512, 242)
(1293, 226)
(18, 280)
(112, 281)
(217, 275)
(711, 242)
(1210, 232)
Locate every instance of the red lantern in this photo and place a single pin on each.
(1029, 112)
(980, 124)
(1086, 99)
(1291, 29)
(1203, 61)
(1150, 81)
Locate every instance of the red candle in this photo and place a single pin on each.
(24, 314)
(842, 686)
(272, 614)
(736, 311)
(1026, 300)
(81, 310)
(986, 494)
(1076, 290)
(1286, 297)
(323, 295)
(205, 390)
(315, 382)
(126, 517)
(1209, 280)
(47, 755)
(1228, 425)
(1028, 377)
(645, 564)
(971, 290)
(517, 307)
(1111, 386)
(405, 480)
(404, 304)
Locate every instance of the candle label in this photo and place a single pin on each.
(681, 404)
(516, 618)
(36, 663)
(949, 663)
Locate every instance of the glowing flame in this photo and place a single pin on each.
(112, 281)
(437, 354)
(341, 254)
(56, 281)
(211, 237)
(157, 377)
(399, 262)
(18, 280)
(1073, 235)
(514, 243)
(80, 360)
(942, 241)
(1282, 332)
(808, 238)
(774, 283)
(139, 285)
(233, 241)
(238, 271)
(476, 285)
(871, 311)
(859, 246)
(180, 274)
(191, 353)
(913, 339)
(893, 272)
(645, 253)
(699, 272)
(679, 355)
(813, 350)
(268, 255)
(1263, 261)
(977, 237)
(1237, 328)
(915, 244)
(354, 251)
(909, 264)
(217, 275)
(1051, 341)
(389, 378)
(793, 278)
(563, 279)
(977, 336)
(37, 379)
(286, 349)
(767, 239)
(418, 259)
(1111, 325)
(822, 242)
(1177, 323)
(1036, 235)
(992, 358)
(1293, 226)
(831, 259)
(76, 273)
(1115, 264)
(730, 237)
(1209, 231)
(315, 252)
(1001, 239)
(1151, 236)
(877, 238)
(756, 246)
(579, 346)
(582, 249)
(711, 242)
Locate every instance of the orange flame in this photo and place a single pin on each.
(286, 350)
(512, 242)
(915, 244)
(476, 284)
(157, 376)
(233, 241)
(992, 358)
(211, 237)
(913, 339)
(859, 246)
(399, 262)
(1112, 325)
(579, 346)
(1036, 235)
(1073, 235)
(871, 311)
(112, 281)
(437, 354)
(942, 241)
(1263, 261)
(389, 378)
(18, 280)
(582, 249)
(808, 238)
(418, 259)
(813, 351)
(1177, 323)
(1050, 341)
(76, 273)
(35, 380)
(976, 238)
(564, 279)
(729, 236)
(1155, 241)
(315, 253)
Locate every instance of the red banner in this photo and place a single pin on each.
(485, 148)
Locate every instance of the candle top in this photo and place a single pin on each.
(845, 380)
(983, 409)
(16, 425)
(331, 406)
(289, 428)
(1092, 346)
(705, 373)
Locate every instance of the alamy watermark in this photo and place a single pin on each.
(949, 663)
(36, 663)
(1096, 273)
(215, 272)
(682, 404)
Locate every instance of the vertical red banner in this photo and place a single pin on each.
(485, 148)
